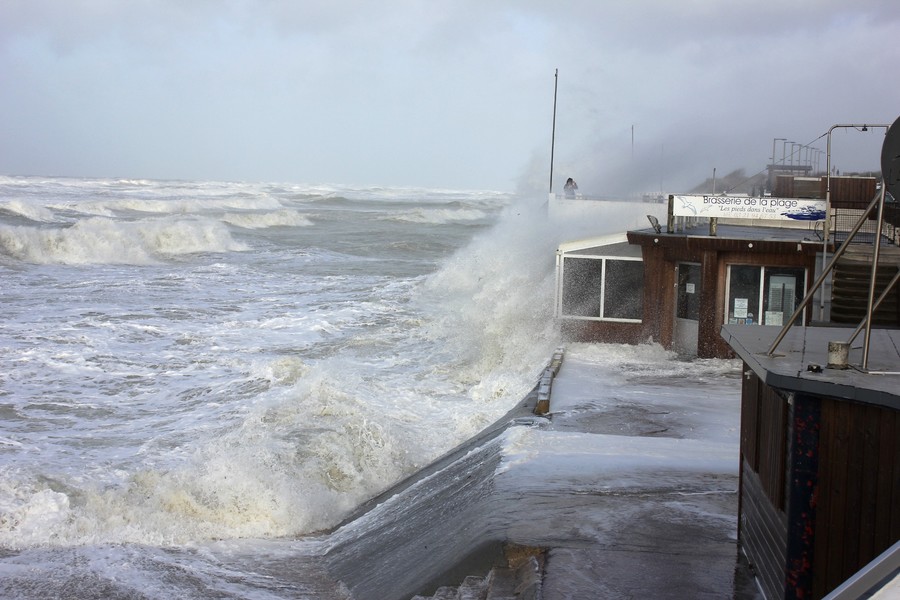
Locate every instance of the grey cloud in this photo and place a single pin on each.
(456, 94)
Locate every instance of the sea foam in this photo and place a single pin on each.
(99, 240)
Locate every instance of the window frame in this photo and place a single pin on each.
(765, 273)
(602, 288)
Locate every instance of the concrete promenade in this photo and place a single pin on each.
(659, 519)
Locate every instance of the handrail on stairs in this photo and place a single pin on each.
(877, 201)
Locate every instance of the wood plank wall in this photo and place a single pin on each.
(763, 520)
(852, 512)
(858, 512)
(659, 296)
(846, 192)
(763, 535)
(764, 414)
(583, 330)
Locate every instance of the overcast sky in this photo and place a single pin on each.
(653, 94)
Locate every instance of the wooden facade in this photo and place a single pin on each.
(746, 245)
(605, 331)
(859, 489)
(820, 473)
(846, 192)
(662, 254)
(763, 524)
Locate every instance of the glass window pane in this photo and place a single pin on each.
(581, 287)
(624, 289)
(743, 294)
(783, 291)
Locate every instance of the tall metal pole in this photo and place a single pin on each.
(773, 172)
(826, 226)
(553, 135)
(773, 148)
(662, 149)
(876, 251)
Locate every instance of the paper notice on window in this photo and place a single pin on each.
(740, 308)
(774, 317)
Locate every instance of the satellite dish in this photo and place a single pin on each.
(890, 160)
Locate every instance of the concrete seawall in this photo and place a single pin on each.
(433, 528)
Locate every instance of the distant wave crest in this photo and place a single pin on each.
(29, 211)
(99, 240)
(442, 216)
(168, 206)
(256, 220)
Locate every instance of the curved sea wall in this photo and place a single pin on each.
(432, 529)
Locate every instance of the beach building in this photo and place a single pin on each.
(713, 260)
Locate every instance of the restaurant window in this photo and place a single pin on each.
(763, 295)
(602, 288)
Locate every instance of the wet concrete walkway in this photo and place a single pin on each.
(663, 524)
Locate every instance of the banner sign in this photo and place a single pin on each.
(749, 207)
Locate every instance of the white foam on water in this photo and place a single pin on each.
(99, 240)
(257, 220)
(28, 210)
(441, 215)
(216, 398)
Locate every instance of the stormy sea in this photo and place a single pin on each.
(200, 381)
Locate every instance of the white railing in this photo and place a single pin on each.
(865, 580)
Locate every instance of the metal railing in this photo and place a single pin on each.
(844, 218)
(870, 577)
(877, 202)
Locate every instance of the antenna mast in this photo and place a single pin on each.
(553, 135)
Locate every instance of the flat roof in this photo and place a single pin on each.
(741, 232)
(804, 347)
(733, 238)
(609, 245)
(763, 232)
